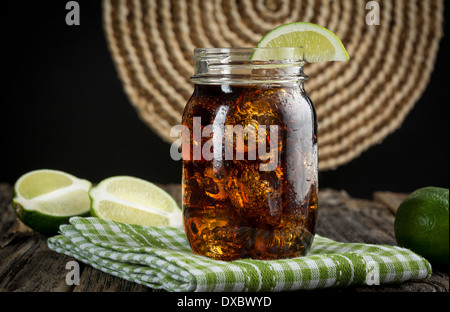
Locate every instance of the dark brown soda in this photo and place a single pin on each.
(231, 208)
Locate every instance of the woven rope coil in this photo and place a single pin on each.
(358, 103)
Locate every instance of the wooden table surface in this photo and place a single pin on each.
(27, 264)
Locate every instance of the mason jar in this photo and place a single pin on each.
(249, 149)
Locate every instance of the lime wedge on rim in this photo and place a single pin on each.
(134, 201)
(318, 43)
(44, 199)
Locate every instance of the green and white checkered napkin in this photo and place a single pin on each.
(162, 258)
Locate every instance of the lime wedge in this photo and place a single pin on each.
(318, 43)
(44, 199)
(134, 201)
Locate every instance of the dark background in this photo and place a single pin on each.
(64, 108)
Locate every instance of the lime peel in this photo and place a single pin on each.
(422, 224)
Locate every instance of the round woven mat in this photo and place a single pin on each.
(358, 103)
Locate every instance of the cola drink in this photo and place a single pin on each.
(252, 192)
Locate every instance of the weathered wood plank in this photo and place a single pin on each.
(28, 265)
(391, 200)
(14, 258)
(346, 219)
(92, 280)
(7, 216)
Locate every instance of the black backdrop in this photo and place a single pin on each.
(64, 108)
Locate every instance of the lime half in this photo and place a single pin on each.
(44, 199)
(318, 43)
(134, 201)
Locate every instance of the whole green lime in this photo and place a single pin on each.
(421, 224)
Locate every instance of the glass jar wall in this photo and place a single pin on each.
(250, 187)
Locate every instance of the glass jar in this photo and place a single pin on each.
(250, 178)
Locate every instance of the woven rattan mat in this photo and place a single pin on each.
(358, 103)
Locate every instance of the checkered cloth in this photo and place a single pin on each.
(162, 258)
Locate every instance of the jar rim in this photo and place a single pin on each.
(248, 65)
(258, 54)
